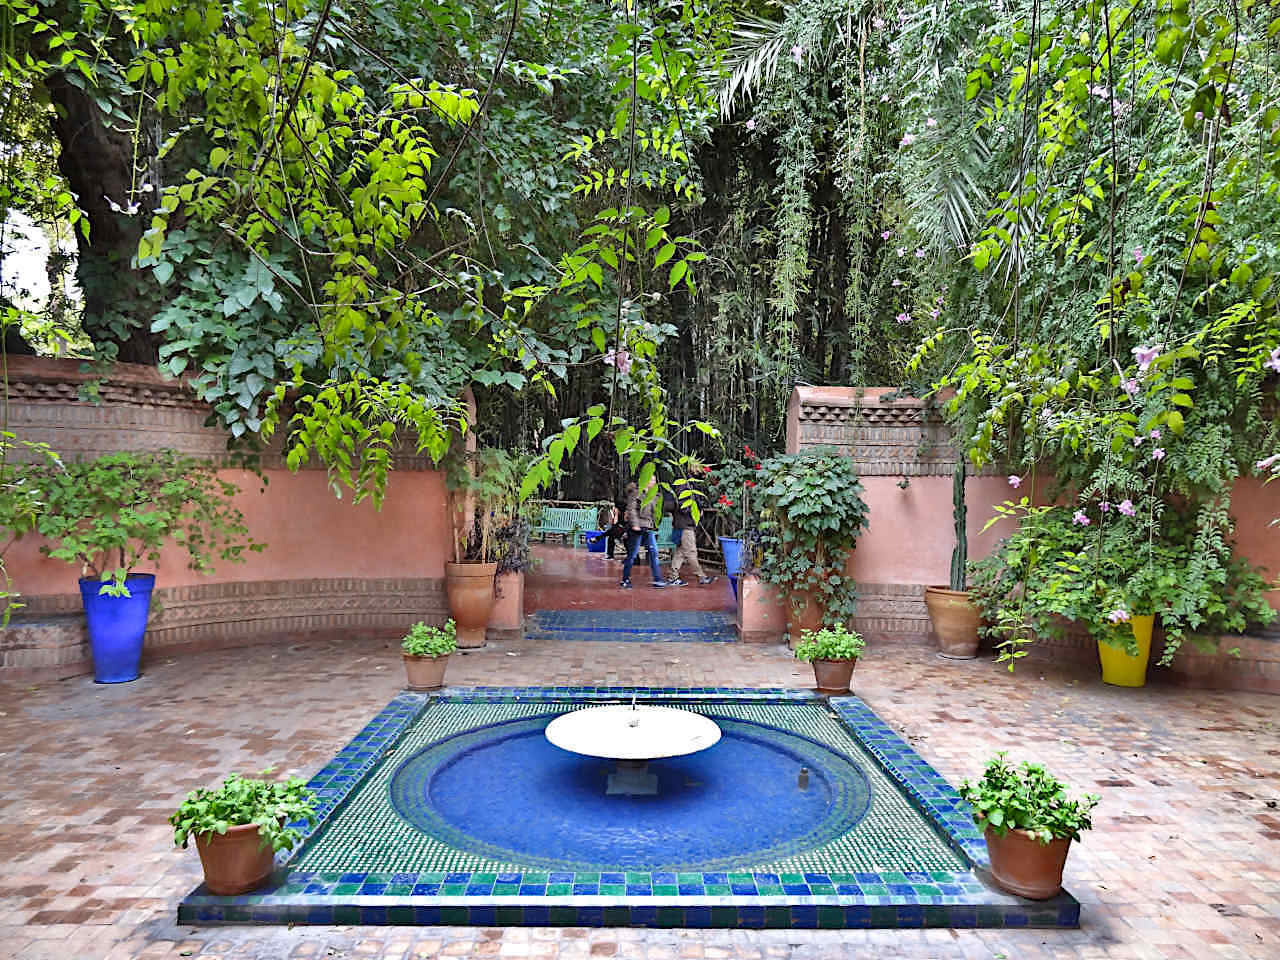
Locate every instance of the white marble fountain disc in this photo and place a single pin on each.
(632, 733)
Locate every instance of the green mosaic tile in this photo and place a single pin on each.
(366, 835)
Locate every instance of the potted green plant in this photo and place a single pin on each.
(478, 484)
(811, 515)
(833, 653)
(729, 488)
(426, 654)
(239, 827)
(1112, 568)
(952, 611)
(110, 514)
(1029, 822)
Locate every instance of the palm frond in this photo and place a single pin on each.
(752, 59)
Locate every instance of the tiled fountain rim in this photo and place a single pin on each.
(740, 900)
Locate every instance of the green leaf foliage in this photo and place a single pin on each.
(425, 641)
(1027, 798)
(275, 806)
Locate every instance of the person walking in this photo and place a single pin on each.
(640, 531)
(686, 551)
(609, 521)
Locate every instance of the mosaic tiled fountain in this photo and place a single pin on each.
(456, 809)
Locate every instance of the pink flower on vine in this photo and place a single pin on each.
(902, 251)
(878, 23)
(1118, 615)
(1155, 434)
(1130, 386)
(919, 253)
(620, 359)
(897, 282)
(1105, 506)
(908, 139)
(1080, 518)
(903, 318)
(931, 122)
(1015, 481)
(886, 234)
(1146, 356)
(1274, 360)
(751, 124)
(935, 313)
(1126, 507)
(1157, 453)
(797, 54)
(1137, 441)
(1138, 255)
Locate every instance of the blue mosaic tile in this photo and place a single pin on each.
(641, 898)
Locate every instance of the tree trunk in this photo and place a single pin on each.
(97, 162)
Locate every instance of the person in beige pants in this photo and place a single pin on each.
(686, 551)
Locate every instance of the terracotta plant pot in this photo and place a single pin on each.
(955, 621)
(470, 589)
(425, 673)
(833, 676)
(236, 861)
(1023, 865)
(807, 613)
(506, 619)
(762, 616)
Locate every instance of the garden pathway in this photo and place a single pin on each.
(1184, 861)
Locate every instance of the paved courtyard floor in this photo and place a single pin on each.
(1184, 860)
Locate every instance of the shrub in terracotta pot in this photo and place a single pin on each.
(833, 653)
(239, 827)
(811, 515)
(1029, 823)
(952, 610)
(426, 654)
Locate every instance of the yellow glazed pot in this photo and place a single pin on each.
(1118, 668)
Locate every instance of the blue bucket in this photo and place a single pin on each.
(596, 540)
(731, 549)
(117, 626)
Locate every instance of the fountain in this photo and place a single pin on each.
(632, 736)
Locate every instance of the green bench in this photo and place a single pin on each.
(565, 522)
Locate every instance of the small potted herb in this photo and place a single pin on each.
(426, 654)
(833, 653)
(1029, 823)
(239, 827)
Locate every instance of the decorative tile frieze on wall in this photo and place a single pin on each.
(84, 415)
(51, 633)
(884, 436)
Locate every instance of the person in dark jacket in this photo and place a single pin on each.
(609, 522)
(638, 519)
(686, 551)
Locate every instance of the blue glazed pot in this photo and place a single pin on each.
(117, 626)
(731, 549)
(597, 545)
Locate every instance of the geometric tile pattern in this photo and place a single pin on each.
(746, 898)
(632, 626)
(368, 835)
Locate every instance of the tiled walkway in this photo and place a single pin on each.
(568, 579)
(1184, 861)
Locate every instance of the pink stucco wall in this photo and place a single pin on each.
(309, 533)
(910, 534)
